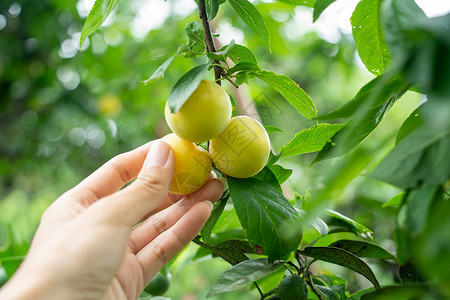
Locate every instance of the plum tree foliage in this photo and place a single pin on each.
(283, 208)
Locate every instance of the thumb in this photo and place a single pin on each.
(131, 204)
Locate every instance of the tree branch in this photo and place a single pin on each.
(209, 41)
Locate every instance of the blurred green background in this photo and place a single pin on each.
(65, 111)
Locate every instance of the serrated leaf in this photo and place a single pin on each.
(280, 173)
(98, 14)
(230, 255)
(420, 157)
(362, 249)
(195, 45)
(396, 292)
(369, 36)
(311, 139)
(344, 221)
(291, 91)
(214, 217)
(319, 7)
(251, 16)
(241, 53)
(159, 73)
(263, 212)
(185, 86)
(222, 54)
(343, 258)
(395, 201)
(243, 274)
(336, 292)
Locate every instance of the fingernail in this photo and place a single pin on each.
(210, 204)
(159, 153)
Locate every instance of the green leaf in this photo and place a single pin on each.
(241, 53)
(369, 37)
(396, 200)
(159, 73)
(414, 120)
(385, 86)
(195, 45)
(185, 86)
(267, 175)
(320, 226)
(273, 158)
(223, 53)
(291, 91)
(271, 129)
(357, 295)
(433, 253)
(308, 3)
(243, 274)
(264, 213)
(400, 19)
(343, 258)
(310, 140)
(214, 217)
(231, 255)
(418, 205)
(362, 249)
(214, 8)
(420, 157)
(339, 219)
(396, 292)
(243, 66)
(319, 7)
(251, 16)
(336, 292)
(280, 173)
(375, 101)
(98, 14)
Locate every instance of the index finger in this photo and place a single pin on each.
(115, 173)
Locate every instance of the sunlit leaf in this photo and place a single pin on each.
(311, 139)
(369, 36)
(241, 53)
(159, 73)
(251, 16)
(280, 173)
(319, 7)
(98, 14)
(291, 91)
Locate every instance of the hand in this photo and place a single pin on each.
(86, 246)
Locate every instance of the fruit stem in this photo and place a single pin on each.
(209, 41)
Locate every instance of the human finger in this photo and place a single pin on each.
(162, 249)
(160, 222)
(128, 206)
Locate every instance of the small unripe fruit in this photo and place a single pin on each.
(293, 287)
(203, 116)
(192, 165)
(242, 149)
(158, 285)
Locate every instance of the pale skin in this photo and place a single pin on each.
(88, 245)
